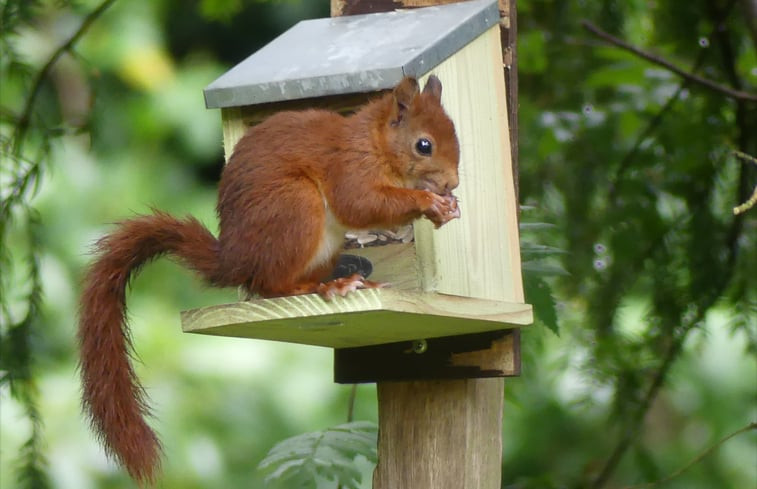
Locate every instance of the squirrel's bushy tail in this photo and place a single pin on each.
(112, 395)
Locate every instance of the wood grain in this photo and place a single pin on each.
(394, 264)
(233, 129)
(366, 317)
(508, 12)
(439, 434)
(477, 255)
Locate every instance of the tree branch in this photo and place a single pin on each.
(633, 426)
(674, 349)
(657, 119)
(752, 200)
(23, 123)
(712, 85)
(652, 126)
(632, 429)
(746, 123)
(697, 459)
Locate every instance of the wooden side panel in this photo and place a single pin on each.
(508, 12)
(233, 129)
(477, 255)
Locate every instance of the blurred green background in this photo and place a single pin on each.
(644, 282)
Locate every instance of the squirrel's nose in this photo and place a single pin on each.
(451, 184)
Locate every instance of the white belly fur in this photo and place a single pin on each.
(332, 240)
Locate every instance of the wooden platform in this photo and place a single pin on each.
(365, 317)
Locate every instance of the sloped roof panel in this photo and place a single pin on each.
(351, 54)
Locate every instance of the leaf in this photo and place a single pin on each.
(539, 295)
(299, 461)
(540, 267)
(531, 249)
(535, 226)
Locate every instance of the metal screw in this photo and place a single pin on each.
(419, 346)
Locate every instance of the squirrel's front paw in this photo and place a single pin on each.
(443, 209)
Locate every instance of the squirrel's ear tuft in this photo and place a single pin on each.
(404, 94)
(433, 87)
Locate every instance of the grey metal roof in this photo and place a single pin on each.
(351, 54)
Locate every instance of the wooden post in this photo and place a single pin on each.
(439, 434)
(443, 434)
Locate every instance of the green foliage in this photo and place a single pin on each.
(635, 165)
(539, 294)
(643, 269)
(298, 462)
(220, 9)
(539, 262)
(24, 152)
(225, 10)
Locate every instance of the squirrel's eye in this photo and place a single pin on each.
(423, 146)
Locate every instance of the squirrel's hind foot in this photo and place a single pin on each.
(343, 286)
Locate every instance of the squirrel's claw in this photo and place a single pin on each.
(345, 285)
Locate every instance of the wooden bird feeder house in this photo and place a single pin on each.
(456, 293)
(463, 278)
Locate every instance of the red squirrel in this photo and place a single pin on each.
(292, 187)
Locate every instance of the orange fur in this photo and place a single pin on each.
(293, 185)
